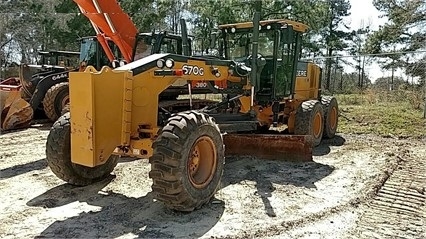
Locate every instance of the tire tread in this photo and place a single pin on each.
(49, 100)
(166, 173)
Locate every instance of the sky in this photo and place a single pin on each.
(364, 11)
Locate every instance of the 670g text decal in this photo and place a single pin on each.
(192, 70)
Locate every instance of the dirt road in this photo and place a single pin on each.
(357, 186)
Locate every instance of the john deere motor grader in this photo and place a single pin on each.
(117, 113)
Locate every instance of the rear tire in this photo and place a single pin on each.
(331, 116)
(309, 120)
(187, 161)
(55, 100)
(58, 155)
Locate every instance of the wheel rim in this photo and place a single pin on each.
(202, 162)
(317, 124)
(65, 101)
(333, 118)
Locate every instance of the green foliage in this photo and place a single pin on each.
(403, 31)
(149, 14)
(333, 37)
(389, 114)
(345, 83)
(384, 83)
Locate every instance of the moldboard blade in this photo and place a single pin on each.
(270, 146)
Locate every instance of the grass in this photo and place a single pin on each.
(396, 114)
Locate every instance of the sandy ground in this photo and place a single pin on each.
(331, 197)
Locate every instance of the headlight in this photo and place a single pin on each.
(160, 63)
(233, 30)
(115, 64)
(170, 63)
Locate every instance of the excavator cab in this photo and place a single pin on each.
(92, 53)
(153, 43)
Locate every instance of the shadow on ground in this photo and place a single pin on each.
(23, 168)
(120, 215)
(325, 147)
(265, 173)
(37, 124)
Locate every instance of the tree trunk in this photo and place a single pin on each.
(329, 63)
(359, 73)
(362, 72)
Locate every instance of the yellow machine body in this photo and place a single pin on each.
(307, 84)
(268, 112)
(101, 117)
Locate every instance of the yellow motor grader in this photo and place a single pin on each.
(273, 109)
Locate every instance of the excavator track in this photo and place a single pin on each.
(399, 208)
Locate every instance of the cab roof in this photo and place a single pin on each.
(297, 26)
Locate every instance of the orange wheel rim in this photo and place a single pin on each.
(333, 118)
(202, 162)
(317, 124)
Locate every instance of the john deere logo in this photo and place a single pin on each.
(57, 77)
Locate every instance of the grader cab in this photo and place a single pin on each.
(273, 109)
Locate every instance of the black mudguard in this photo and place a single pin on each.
(29, 79)
(44, 85)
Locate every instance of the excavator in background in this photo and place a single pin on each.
(274, 110)
(117, 42)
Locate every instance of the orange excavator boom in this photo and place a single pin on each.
(109, 20)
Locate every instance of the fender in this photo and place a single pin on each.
(44, 85)
(29, 81)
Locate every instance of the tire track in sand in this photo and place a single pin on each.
(399, 208)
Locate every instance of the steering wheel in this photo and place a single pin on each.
(249, 58)
(243, 67)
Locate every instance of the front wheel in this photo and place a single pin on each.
(187, 161)
(58, 155)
